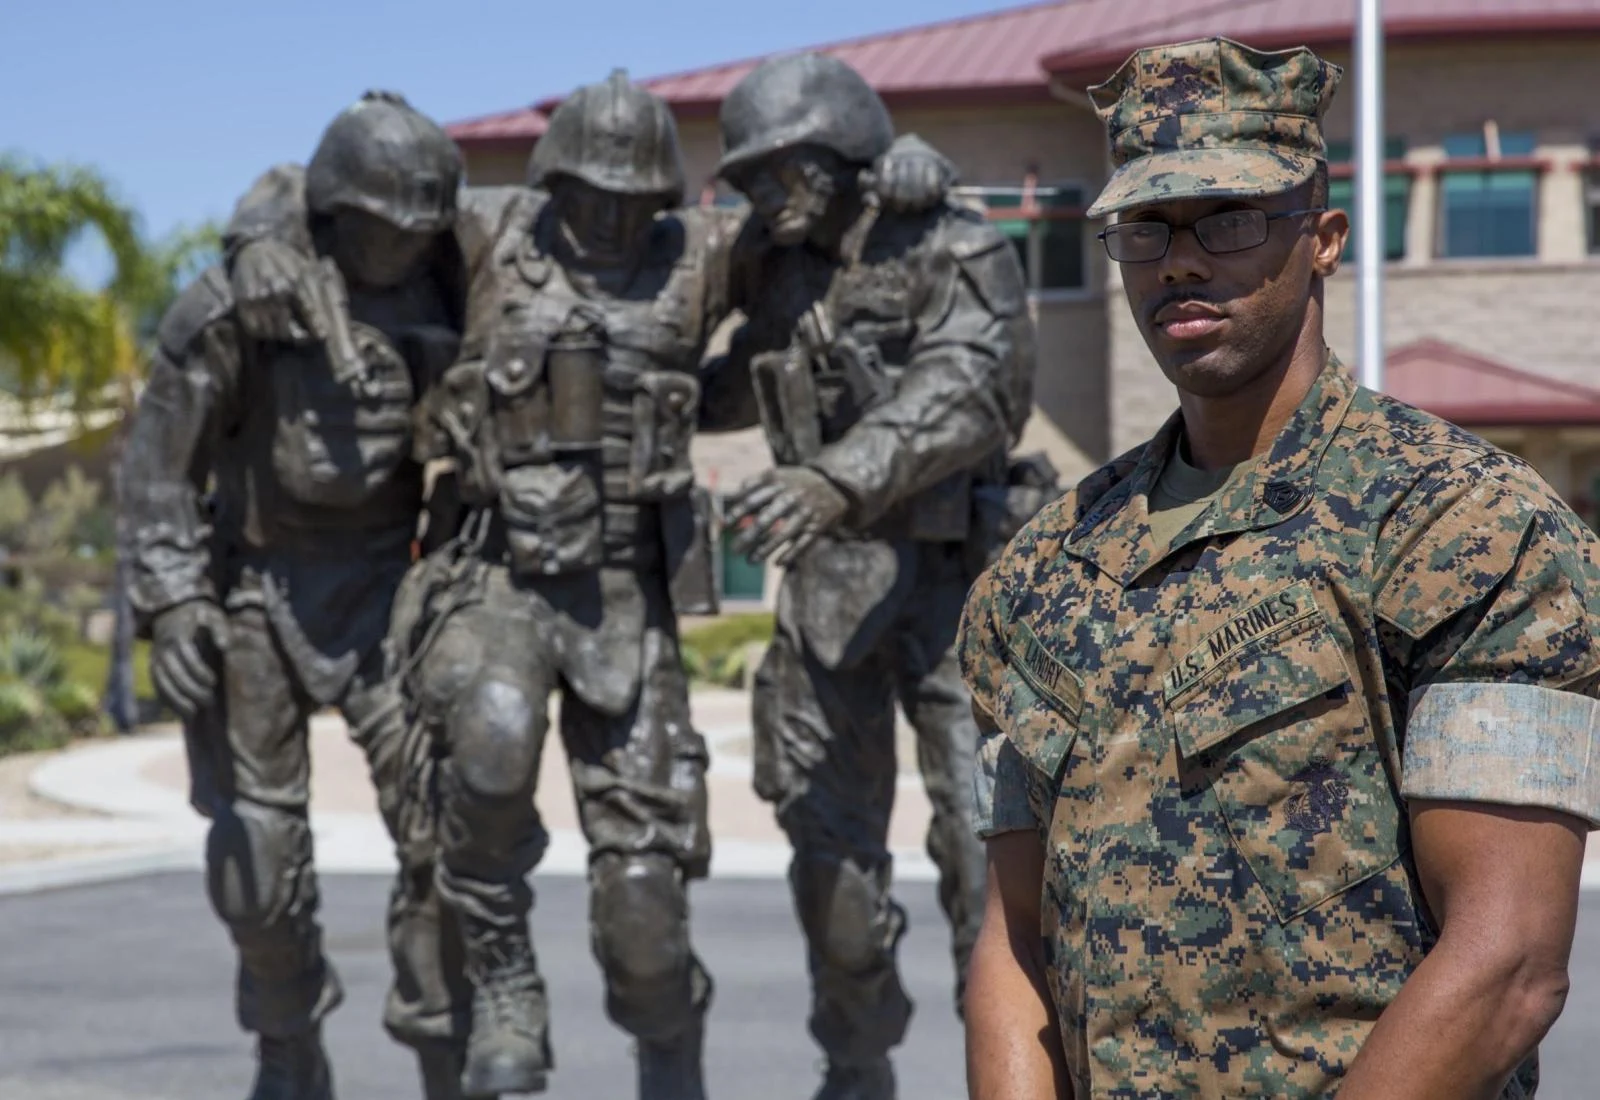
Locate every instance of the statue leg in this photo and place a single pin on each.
(259, 868)
(640, 781)
(429, 1003)
(826, 739)
(939, 709)
(487, 678)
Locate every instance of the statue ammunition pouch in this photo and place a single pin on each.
(545, 408)
(344, 407)
(786, 394)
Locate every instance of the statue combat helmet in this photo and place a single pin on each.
(383, 156)
(613, 135)
(803, 99)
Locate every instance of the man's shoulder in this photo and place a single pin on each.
(1431, 466)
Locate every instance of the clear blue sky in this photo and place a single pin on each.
(182, 102)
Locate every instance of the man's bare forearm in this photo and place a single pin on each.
(1503, 882)
(1457, 1030)
(1013, 1043)
(1013, 1047)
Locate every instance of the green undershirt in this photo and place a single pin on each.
(1182, 492)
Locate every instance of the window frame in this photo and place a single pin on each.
(1493, 161)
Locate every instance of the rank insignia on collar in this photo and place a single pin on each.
(1282, 496)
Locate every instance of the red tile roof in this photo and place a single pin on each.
(1475, 392)
(1108, 30)
(1006, 55)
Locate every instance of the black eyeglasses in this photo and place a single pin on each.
(1226, 231)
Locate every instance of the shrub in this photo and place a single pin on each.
(719, 651)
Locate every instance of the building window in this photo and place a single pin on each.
(1045, 226)
(1488, 200)
(742, 579)
(1396, 195)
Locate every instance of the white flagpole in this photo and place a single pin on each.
(1370, 204)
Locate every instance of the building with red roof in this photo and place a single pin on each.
(1492, 187)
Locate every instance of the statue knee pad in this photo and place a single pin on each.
(494, 739)
(256, 857)
(639, 926)
(845, 911)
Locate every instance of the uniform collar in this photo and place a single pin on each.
(1115, 535)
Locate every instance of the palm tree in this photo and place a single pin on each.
(59, 338)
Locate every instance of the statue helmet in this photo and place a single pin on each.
(383, 156)
(803, 99)
(613, 135)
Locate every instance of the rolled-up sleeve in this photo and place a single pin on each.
(1497, 595)
(1004, 783)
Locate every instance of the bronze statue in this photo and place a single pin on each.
(890, 356)
(568, 420)
(270, 597)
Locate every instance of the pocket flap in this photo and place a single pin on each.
(1293, 662)
(1042, 731)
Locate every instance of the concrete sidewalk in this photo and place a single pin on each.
(114, 808)
(120, 807)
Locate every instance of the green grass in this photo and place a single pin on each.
(89, 665)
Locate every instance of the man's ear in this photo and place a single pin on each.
(1332, 230)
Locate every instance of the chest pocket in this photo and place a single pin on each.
(340, 439)
(1042, 701)
(1279, 731)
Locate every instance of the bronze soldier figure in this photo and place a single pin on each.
(890, 356)
(273, 600)
(568, 421)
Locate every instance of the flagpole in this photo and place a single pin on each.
(1369, 211)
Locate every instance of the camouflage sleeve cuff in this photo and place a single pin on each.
(1514, 744)
(1000, 788)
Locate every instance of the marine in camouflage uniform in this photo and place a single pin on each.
(568, 421)
(1237, 710)
(273, 600)
(890, 357)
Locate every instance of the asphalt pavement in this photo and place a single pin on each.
(123, 992)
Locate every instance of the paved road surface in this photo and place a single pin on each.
(120, 992)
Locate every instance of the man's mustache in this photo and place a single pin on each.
(1176, 296)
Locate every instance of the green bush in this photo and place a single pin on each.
(41, 707)
(717, 652)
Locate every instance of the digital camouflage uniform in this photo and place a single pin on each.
(1216, 741)
(901, 369)
(314, 506)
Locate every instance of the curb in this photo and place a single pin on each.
(63, 872)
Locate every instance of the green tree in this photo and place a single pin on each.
(56, 335)
(59, 338)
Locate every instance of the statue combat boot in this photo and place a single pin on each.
(872, 1080)
(673, 1069)
(292, 1067)
(509, 1048)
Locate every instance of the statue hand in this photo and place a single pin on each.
(912, 175)
(271, 289)
(782, 512)
(186, 655)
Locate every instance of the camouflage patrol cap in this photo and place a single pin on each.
(1211, 118)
